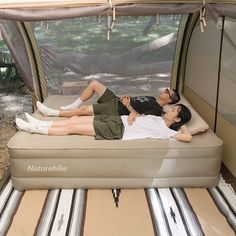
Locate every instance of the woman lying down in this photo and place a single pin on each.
(169, 126)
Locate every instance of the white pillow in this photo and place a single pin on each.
(196, 125)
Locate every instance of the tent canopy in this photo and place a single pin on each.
(78, 3)
(21, 10)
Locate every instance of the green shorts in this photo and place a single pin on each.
(107, 104)
(108, 127)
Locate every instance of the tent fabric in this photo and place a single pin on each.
(181, 31)
(63, 13)
(223, 9)
(50, 14)
(15, 42)
(39, 79)
(78, 3)
(198, 73)
(150, 9)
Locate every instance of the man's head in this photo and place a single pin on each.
(169, 96)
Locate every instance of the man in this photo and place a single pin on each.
(109, 104)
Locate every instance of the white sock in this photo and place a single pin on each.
(73, 105)
(23, 125)
(46, 110)
(37, 122)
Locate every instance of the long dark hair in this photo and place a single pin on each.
(184, 114)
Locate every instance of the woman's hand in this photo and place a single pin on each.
(184, 134)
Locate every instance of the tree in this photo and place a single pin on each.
(127, 63)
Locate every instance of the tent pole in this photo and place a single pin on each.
(30, 53)
(219, 72)
(180, 35)
(41, 80)
(190, 24)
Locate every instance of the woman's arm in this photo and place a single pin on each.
(132, 117)
(184, 134)
(133, 114)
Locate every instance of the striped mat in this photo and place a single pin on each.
(144, 212)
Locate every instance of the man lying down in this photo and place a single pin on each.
(171, 125)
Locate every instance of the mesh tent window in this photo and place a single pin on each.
(137, 58)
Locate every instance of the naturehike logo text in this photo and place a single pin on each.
(53, 168)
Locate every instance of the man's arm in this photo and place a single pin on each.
(184, 134)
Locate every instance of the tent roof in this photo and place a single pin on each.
(40, 10)
(76, 3)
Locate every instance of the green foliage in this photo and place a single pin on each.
(86, 34)
(10, 80)
(3, 46)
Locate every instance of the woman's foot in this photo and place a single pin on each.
(37, 122)
(30, 128)
(23, 125)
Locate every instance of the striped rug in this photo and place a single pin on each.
(144, 212)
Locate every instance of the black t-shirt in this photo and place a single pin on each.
(143, 105)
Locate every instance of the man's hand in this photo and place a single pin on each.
(125, 100)
(132, 117)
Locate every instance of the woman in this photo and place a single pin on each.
(169, 126)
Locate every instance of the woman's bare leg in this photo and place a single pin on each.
(75, 125)
(82, 126)
(73, 120)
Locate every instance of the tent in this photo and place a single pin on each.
(203, 63)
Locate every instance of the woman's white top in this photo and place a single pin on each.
(148, 126)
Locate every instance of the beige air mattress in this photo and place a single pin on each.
(47, 162)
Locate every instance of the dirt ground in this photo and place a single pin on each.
(11, 105)
(7, 131)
